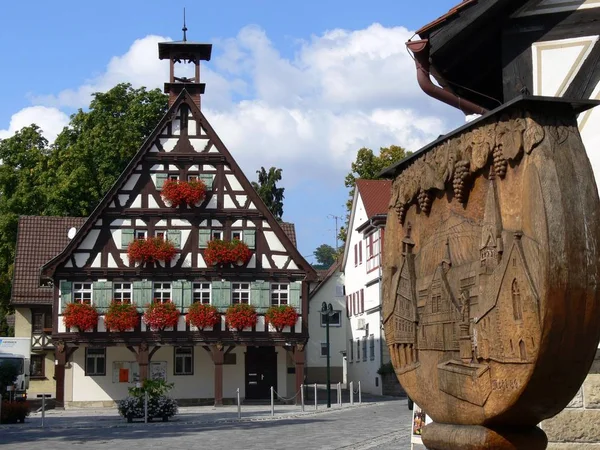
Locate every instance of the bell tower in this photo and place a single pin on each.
(184, 51)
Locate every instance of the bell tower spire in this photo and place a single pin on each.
(184, 51)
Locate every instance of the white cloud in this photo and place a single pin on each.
(50, 120)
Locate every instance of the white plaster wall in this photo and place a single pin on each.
(235, 376)
(366, 371)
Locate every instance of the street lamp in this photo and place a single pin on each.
(327, 311)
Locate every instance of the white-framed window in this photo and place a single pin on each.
(162, 292)
(140, 234)
(373, 244)
(237, 235)
(82, 293)
(335, 320)
(122, 292)
(279, 294)
(161, 234)
(173, 177)
(216, 234)
(364, 348)
(240, 293)
(323, 349)
(95, 362)
(201, 293)
(184, 361)
(192, 177)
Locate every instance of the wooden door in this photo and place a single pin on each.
(261, 372)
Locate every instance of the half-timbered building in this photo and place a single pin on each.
(97, 366)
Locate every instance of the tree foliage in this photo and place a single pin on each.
(70, 176)
(325, 255)
(268, 191)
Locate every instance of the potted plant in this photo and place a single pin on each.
(151, 250)
(240, 316)
(159, 316)
(82, 316)
(121, 316)
(159, 404)
(190, 192)
(281, 316)
(227, 252)
(203, 316)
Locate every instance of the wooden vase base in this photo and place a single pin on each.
(439, 436)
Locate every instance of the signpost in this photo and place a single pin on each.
(44, 397)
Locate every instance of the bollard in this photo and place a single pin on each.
(146, 407)
(352, 393)
(302, 396)
(340, 393)
(43, 409)
(315, 396)
(239, 404)
(359, 394)
(272, 402)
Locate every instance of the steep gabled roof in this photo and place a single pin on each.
(39, 239)
(375, 195)
(290, 230)
(184, 97)
(454, 11)
(326, 276)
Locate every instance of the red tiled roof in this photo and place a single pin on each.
(39, 239)
(375, 195)
(445, 17)
(290, 230)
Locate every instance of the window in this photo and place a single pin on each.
(373, 251)
(237, 235)
(357, 350)
(42, 322)
(201, 293)
(162, 292)
(279, 294)
(82, 293)
(216, 234)
(192, 177)
(140, 234)
(360, 253)
(355, 255)
(173, 177)
(335, 320)
(372, 347)
(37, 366)
(364, 348)
(351, 350)
(324, 349)
(122, 292)
(240, 293)
(95, 362)
(516, 301)
(184, 361)
(161, 234)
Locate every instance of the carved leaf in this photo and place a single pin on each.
(533, 136)
(512, 139)
(483, 141)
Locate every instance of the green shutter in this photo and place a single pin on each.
(255, 293)
(177, 293)
(221, 294)
(65, 291)
(175, 237)
(216, 293)
(148, 293)
(265, 294)
(207, 178)
(250, 238)
(203, 238)
(102, 295)
(187, 295)
(295, 295)
(138, 295)
(160, 180)
(126, 238)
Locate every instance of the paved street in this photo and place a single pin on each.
(377, 426)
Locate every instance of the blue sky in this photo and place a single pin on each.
(297, 85)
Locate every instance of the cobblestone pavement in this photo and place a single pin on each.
(377, 425)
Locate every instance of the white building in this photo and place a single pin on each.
(366, 349)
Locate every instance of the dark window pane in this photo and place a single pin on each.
(178, 365)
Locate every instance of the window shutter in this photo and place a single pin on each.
(160, 180)
(355, 256)
(226, 292)
(249, 238)
(102, 295)
(215, 292)
(295, 295)
(147, 292)
(187, 295)
(65, 294)
(177, 293)
(126, 238)
(138, 295)
(255, 291)
(207, 178)
(203, 238)
(362, 300)
(221, 293)
(175, 237)
(347, 307)
(265, 294)
(360, 252)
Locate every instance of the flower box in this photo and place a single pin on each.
(121, 317)
(81, 316)
(189, 192)
(281, 316)
(159, 316)
(240, 316)
(151, 250)
(203, 316)
(227, 252)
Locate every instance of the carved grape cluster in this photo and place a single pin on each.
(500, 163)
(461, 176)
(424, 199)
(401, 211)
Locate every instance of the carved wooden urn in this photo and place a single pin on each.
(491, 271)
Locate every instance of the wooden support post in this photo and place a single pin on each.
(218, 356)
(143, 356)
(62, 354)
(299, 358)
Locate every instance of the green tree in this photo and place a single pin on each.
(268, 191)
(325, 255)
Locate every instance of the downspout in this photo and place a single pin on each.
(421, 51)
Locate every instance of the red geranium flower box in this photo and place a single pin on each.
(159, 316)
(121, 316)
(281, 316)
(203, 316)
(80, 315)
(151, 250)
(240, 316)
(227, 252)
(189, 192)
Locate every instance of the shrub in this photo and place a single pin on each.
(203, 316)
(80, 315)
(121, 316)
(281, 316)
(159, 316)
(240, 316)
(13, 412)
(159, 405)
